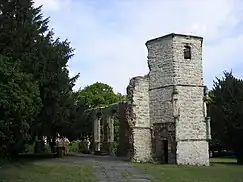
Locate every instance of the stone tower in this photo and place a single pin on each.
(179, 125)
(165, 115)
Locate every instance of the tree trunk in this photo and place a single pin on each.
(52, 143)
(239, 155)
(239, 159)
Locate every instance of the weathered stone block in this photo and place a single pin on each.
(142, 145)
(193, 153)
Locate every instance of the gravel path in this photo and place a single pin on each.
(110, 169)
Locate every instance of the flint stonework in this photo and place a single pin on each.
(165, 116)
(179, 127)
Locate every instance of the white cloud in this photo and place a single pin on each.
(51, 5)
(48, 4)
(109, 38)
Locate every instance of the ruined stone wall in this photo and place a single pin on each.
(180, 121)
(124, 144)
(192, 145)
(164, 119)
(187, 71)
(161, 72)
(161, 80)
(103, 119)
(139, 107)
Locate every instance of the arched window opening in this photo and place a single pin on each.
(187, 52)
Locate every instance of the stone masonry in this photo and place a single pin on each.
(166, 109)
(171, 124)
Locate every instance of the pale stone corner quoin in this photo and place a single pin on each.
(165, 118)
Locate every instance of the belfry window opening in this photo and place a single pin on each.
(187, 52)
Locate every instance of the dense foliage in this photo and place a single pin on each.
(226, 111)
(19, 104)
(41, 73)
(37, 97)
(98, 95)
(95, 95)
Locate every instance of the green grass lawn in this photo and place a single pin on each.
(46, 171)
(221, 170)
(52, 170)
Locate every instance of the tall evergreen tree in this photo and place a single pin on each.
(24, 36)
(19, 105)
(226, 110)
(22, 30)
(56, 90)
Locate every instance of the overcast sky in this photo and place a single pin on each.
(109, 35)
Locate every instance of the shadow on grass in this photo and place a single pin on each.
(34, 157)
(100, 157)
(28, 159)
(31, 159)
(226, 160)
(227, 163)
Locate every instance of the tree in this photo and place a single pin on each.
(56, 91)
(67, 125)
(24, 36)
(22, 30)
(19, 105)
(215, 143)
(226, 110)
(96, 95)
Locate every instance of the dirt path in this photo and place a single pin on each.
(110, 169)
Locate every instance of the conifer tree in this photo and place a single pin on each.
(25, 36)
(20, 103)
(227, 113)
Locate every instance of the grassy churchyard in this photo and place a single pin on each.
(45, 170)
(221, 170)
